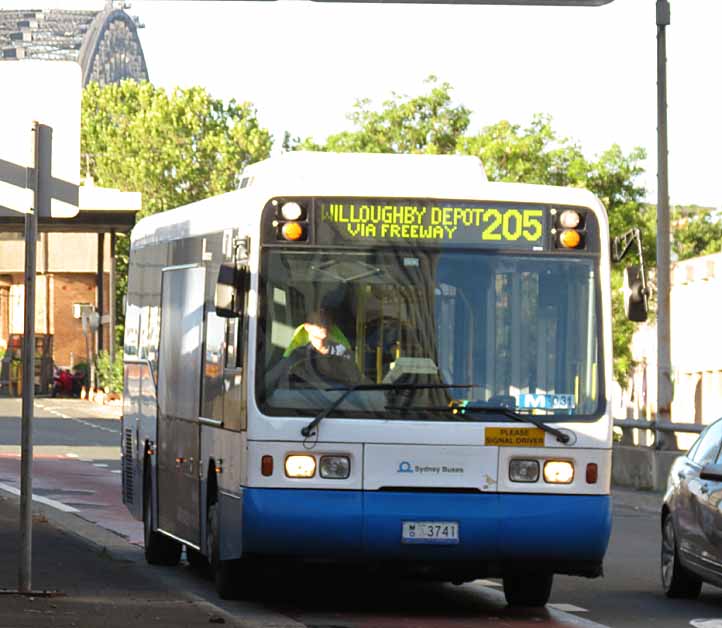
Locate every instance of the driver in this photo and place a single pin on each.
(319, 335)
(318, 355)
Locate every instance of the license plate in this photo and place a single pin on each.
(441, 532)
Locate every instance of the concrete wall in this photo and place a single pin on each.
(642, 467)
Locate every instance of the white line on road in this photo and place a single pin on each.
(99, 464)
(706, 623)
(568, 608)
(37, 498)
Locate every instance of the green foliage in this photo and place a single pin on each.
(173, 148)
(428, 124)
(110, 374)
(696, 231)
(431, 123)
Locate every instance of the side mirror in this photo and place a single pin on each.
(711, 472)
(635, 294)
(229, 287)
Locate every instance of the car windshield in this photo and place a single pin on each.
(518, 331)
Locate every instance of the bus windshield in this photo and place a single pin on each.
(512, 330)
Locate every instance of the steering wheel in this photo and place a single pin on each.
(324, 372)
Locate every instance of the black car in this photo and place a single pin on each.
(692, 518)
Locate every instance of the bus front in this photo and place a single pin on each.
(451, 420)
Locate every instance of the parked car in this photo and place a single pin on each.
(692, 518)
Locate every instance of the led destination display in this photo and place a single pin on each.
(432, 222)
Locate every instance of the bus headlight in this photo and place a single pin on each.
(524, 470)
(334, 467)
(558, 472)
(300, 466)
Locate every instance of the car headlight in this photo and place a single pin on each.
(334, 467)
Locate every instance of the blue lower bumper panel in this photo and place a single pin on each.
(360, 525)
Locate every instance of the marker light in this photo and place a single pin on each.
(524, 470)
(334, 467)
(558, 472)
(569, 219)
(292, 211)
(570, 239)
(267, 465)
(592, 473)
(292, 231)
(300, 466)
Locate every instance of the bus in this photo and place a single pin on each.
(380, 360)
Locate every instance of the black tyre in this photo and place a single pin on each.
(677, 581)
(223, 572)
(195, 559)
(531, 589)
(159, 549)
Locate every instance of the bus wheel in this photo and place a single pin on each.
(195, 559)
(527, 589)
(159, 549)
(223, 571)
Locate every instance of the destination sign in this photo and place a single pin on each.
(431, 222)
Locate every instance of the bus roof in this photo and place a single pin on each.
(303, 173)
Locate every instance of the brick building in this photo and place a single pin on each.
(67, 279)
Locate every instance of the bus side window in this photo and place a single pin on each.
(234, 412)
(213, 364)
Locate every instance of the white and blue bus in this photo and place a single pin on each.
(460, 428)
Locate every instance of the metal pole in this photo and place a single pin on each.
(101, 290)
(28, 360)
(664, 360)
(111, 295)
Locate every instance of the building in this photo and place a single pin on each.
(696, 348)
(74, 266)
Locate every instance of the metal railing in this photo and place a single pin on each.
(664, 432)
(658, 426)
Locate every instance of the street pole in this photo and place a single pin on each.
(28, 359)
(664, 360)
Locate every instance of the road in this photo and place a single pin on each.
(76, 469)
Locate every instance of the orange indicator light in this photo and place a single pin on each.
(267, 466)
(292, 231)
(570, 239)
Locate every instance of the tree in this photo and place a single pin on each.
(695, 231)
(429, 124)
(173, 148)
(432, 123)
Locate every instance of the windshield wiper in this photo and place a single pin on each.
(466, 410)
(307, 430)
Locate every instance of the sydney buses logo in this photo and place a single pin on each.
(406, 467)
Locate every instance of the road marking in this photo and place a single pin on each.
(568, 608)
(487, 583)
(99, 464)
(555, 613)
(37, 498)
(706, 623)
(115, 471)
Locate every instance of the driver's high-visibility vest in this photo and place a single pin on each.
(300, 339)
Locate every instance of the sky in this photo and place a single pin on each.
(304, 64)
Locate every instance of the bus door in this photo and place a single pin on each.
(179, 377)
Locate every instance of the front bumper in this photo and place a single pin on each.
(566, 533)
